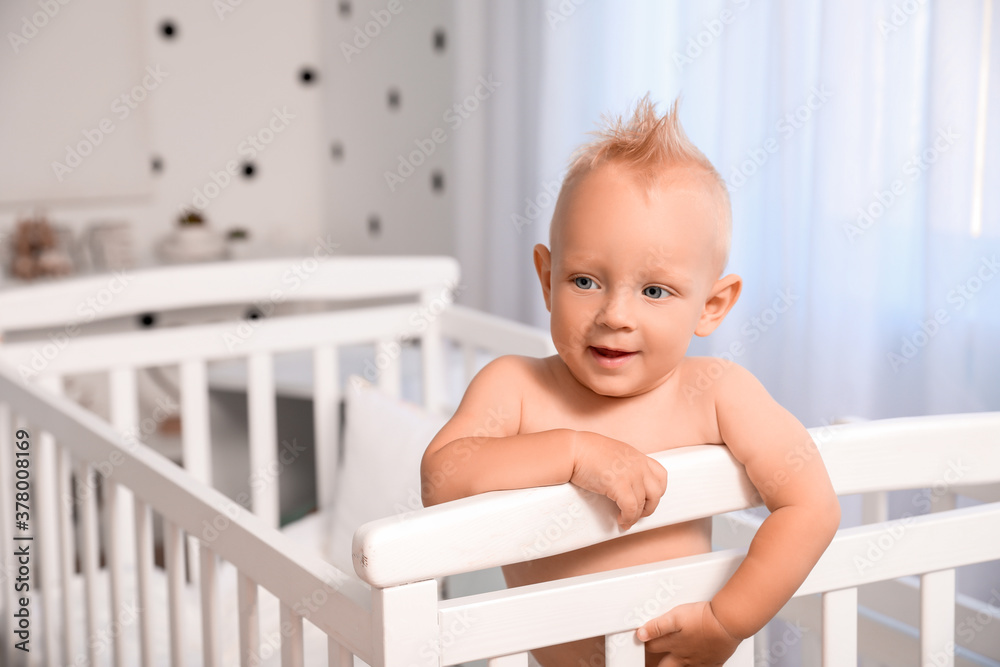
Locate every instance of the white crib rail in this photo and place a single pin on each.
(705, 480)
(267, 281)
(507, 526)
(262, 555)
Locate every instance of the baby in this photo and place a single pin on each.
(638, 241)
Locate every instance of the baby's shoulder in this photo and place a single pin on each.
(707, 378)
(511, 370)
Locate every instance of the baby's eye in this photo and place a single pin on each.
(655, 292)
(583, 282)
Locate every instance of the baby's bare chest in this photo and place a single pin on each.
(650, 423)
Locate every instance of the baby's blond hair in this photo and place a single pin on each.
(650, 145)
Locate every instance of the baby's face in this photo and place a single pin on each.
(629, 277)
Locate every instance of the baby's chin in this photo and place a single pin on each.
(619, 387)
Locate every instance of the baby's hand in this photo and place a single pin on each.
(634, 481)
(688, 634)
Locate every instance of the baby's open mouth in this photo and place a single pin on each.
(609, 353)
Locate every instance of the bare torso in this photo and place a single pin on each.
(663, 418)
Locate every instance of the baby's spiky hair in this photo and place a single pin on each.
(649, 145)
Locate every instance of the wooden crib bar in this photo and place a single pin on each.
(840, 627)
(67, 542)
(144, 575)
(174, 556)
(246, 594)
(504, 622)
(291, 644)
(220, 283)
(89, 552)
(326, 420)
(210, 635)
(263, 436)
(705, 480)
(937, 617)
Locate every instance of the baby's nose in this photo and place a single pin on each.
(617, 312)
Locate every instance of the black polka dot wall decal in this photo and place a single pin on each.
(374, 226)
(393, 99)
(345, 9)
(249, 170)
(147, 319)
(439, 40)
(337, 151)
(168, 29)
(307, 75)
(437, 181)
(157, 164)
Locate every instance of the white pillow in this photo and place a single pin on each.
(384, 440)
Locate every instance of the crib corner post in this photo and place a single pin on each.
(405, 620)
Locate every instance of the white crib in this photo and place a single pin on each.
(390, 612)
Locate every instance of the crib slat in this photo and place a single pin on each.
(211, 649)
(623, 649)
(291, 641)
(326, 421)
(937, 619)
(263, 437)
(388, 363)
(874, 507)
(246, 601)
(432, 351)
(67, 545)
(144, 574)
(112, 500)
(195, 437)
(174, 557)
(87, 486)
(337, 655)
(7, 529)
(406, 622)
(743, 657)
(513, 660)
(840, 627)
(124, 413)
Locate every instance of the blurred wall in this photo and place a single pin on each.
(280, 117)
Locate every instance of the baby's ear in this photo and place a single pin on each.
(543, 265)
(722, 298)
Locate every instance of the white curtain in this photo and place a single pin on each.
(860, 143)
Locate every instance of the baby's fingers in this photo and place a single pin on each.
(653, 494)
(657, 627)
(659, 472)
(629, 502)
(641, 499)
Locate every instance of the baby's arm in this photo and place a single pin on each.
(784, 465)
(480, 449)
